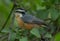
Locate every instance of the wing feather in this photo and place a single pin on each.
(32, 19)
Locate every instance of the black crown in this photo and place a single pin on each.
(20, 8)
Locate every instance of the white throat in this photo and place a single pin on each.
(20, 15)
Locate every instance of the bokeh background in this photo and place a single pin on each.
(48, 10)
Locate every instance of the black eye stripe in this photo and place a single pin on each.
(20, 12)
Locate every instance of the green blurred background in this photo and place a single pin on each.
(43, 9)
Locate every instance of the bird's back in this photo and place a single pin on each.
(27, 18)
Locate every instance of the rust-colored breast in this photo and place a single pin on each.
(19, 20)
(28, 26)
(22, 24)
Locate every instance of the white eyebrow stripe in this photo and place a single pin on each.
(20, 10)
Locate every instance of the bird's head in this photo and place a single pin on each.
(20, 12)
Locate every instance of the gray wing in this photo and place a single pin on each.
(32, 19)
(27, 18)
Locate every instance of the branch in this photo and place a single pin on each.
(14, 5)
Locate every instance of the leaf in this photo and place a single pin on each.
(58, 20)
(42, 14)
(24, 39)
(42, 30)
(5, 30)
(35, 32)
(7, 2)
(15, 23)
(57, 37)
(12, 36)
(48, 35)
(54, 13)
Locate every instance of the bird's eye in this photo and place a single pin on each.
(23, 12)
(20, 12)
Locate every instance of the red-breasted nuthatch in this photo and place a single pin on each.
(26, 20)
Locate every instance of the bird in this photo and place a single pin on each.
(27, 21)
